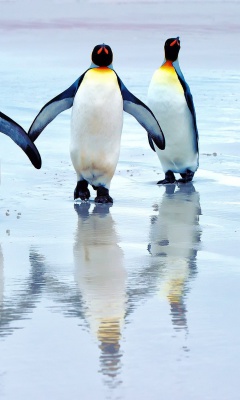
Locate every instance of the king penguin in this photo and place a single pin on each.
(20, 137)
(170, 99)
(98, 98)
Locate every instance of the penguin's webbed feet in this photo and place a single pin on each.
(81, 191)
(103, 196)
(186, 177)
(169, 179)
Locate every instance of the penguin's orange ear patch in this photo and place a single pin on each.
(106, 50)
(100, 50)
(173, 43)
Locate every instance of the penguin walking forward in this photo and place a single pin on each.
(20, 137)
(98, 98)
(170, 99)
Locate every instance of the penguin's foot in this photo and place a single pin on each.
(186, 177)
(166, 182)
(103, 196)
(169, 178)
(81, 191)
(104, 199)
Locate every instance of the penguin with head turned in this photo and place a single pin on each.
(10, 128)
(98, 98)
(170, 99)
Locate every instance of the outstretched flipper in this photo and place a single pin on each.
(132, 105)
(20, 137)
(54, 107)
(188, 97)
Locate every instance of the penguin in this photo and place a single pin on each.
(170, 99)
(98, 98)
(20, 137)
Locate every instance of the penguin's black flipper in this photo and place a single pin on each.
(54, 107)
(20, 137)
(132, 105)
(188, 97)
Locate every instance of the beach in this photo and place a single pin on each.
(137, 299)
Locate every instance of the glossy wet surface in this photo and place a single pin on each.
(111, 301)
(138, 300)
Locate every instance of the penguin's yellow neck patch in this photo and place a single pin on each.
(166, 75)
(100, 73)
(102, 69)
(167, 65)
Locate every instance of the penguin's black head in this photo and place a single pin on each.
(102, 55)
(172, 47)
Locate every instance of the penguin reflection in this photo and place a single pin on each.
(175, 236)
(24, 299)
(101, 278)
(1, 279)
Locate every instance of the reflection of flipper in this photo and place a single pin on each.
(37, 272)
(23, 302)
(68, 297)
(19, 136)
(1, 278)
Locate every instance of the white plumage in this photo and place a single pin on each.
(96, 127)
(167, 101)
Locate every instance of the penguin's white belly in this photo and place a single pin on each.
(96, 127)
(167, 101)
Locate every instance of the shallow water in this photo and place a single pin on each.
(133, 301)
(111, 302)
